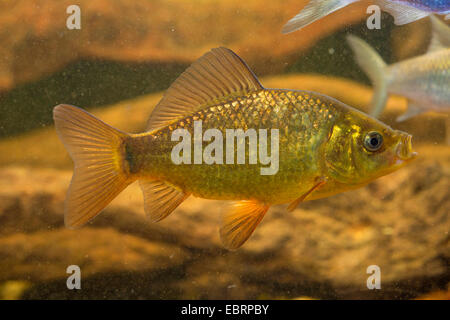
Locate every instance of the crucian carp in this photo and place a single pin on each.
(324, 147)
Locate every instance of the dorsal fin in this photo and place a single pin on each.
(214, 77)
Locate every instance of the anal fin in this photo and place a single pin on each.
(320, 182)
(240, 222)
(160, 198)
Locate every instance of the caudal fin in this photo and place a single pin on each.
(375, 68)
(99, 173)
(314, 10)
(402, 12)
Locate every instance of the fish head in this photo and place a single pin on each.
(361, 148)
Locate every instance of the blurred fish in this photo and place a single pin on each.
(324, 147)
(423, 80)
(440, 37)
(403, 11)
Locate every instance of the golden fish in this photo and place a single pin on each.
(323, 146)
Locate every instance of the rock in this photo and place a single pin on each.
(152, 31)
(12, 290)
(45, 255)
(412, 39)
(437, 295)
(321, 250)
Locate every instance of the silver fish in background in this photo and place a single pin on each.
(423, 80)
(403, 11)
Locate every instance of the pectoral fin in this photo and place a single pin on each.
(320, 182)
(413, 110)
(240, 222)
(160, 198)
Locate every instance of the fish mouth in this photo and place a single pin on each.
(404, 151)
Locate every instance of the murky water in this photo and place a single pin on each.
(116, 59)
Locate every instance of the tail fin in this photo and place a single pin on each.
(314, 10)
(99, 173)
(375, 68)
(402, 13)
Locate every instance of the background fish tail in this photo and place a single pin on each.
(375, 68)
(99, 172)
(402, 13)
(314, 10)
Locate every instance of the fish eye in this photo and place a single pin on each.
(373, 141)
